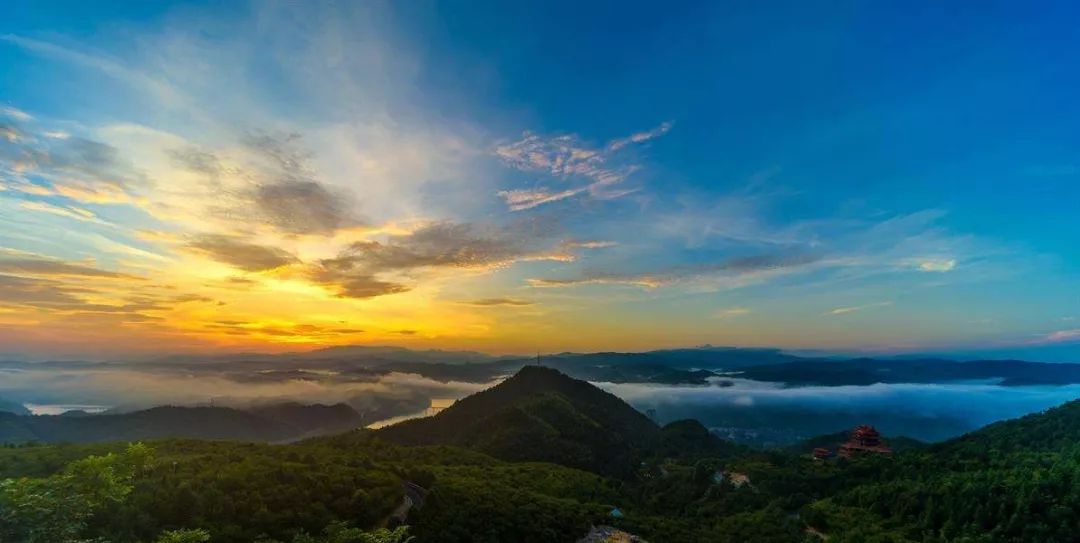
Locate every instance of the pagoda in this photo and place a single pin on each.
(864, 439)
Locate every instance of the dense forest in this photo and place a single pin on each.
(541, 458)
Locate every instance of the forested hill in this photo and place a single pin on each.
(270, 423)
(1017, 480)
(539, 414)
(1055, 430)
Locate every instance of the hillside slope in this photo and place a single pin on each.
(7, 406)
(540, 414)
(1017, 480)
(271, 423)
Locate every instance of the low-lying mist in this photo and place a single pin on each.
(769, 413)
(739, 409)
(126, 388)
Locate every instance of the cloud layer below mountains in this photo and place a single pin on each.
(925, 411)
(130, 388)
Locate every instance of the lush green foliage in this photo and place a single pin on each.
(241, 492)
(184, 536)
(58, 508)
(341, 532)
(1012, 481)
(1017, 481)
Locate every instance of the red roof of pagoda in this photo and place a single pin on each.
(864, 438)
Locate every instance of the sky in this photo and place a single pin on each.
(538, 176)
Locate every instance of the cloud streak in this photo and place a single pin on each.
(731, 268)
(47, 267)
(522, 199)
(74, 167)
(566, 158)
(492, 302)
(436, 247)
(940, 266)
(730, 312)
(239, 253)
(71, 212)
(1063, 336)
(854, 308)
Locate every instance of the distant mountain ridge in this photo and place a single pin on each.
(867, 371)
(7, 406)
(689, 366)
(270, 423)
(699, 366)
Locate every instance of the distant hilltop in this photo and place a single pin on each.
(1053, 353)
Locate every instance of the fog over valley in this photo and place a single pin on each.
(390, 386)
(770, 413)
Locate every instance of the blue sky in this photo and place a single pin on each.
(519, 176)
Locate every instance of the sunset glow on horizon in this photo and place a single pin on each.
(277, 177)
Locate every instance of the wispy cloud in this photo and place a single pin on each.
(268, 180)
(288, 194)
(71, 212)
(646, 281)
(240, 253)
(591, 244)
(640, 137)
(740, 267)
(854, 308)
(567, 157)
(730, 312)
(15, 113)
(522, 199)
(491, 302)
(939, 265)
(77, 168)
(304, 331)
(437, 246)
(48, 267)
(111, 67)
(1063, 336)
(353, 283)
